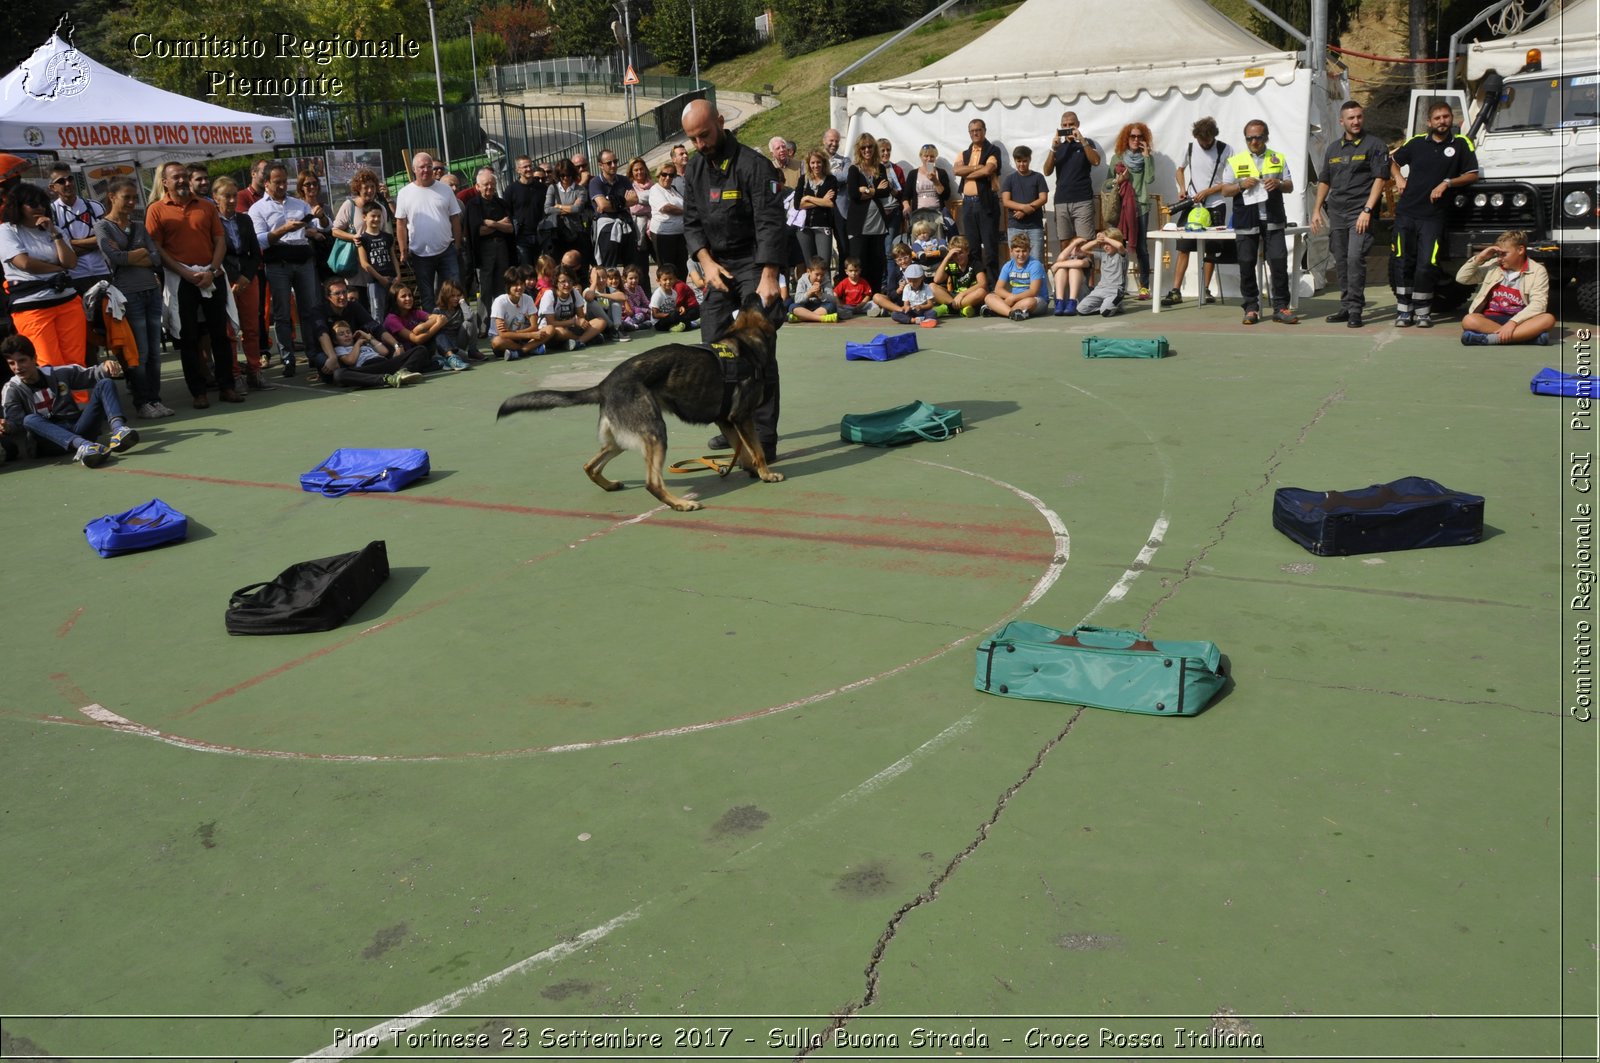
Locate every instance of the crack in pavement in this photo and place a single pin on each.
(842, 1017)
(1410, 694)
(1274, 459)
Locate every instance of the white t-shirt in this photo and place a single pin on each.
(26, 240)
(1204, 169)
(427, 213)
(661, 222)
(517, 315)
(553, 309)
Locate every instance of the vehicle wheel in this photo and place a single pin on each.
(1589, 299)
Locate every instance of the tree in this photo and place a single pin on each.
(806, 25)
(583, 27)
(523, 28)
(725, 28)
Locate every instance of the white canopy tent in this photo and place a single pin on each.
(61, 100)
(1166, 63)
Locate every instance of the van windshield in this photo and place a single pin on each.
(1571, 101)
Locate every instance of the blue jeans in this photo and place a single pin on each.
(430, 270)
(103, 406)
(143, 314)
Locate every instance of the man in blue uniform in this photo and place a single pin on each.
(737, 230)
(1437, 162)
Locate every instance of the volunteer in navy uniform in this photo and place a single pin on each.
(1438, 163)
(736, 229)
(1354, 169)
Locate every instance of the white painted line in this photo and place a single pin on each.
(451, 1001)
(1119, 590)
(1057, 528)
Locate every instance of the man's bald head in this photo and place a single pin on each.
(703, 126)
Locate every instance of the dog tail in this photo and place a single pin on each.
(548, 400)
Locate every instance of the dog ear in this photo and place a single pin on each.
(752, 303)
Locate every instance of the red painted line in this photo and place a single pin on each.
(880, 542)
(66, 629)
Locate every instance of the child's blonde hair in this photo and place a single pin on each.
(1114, 233)
(922, 228)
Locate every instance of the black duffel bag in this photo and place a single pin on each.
(310, 595)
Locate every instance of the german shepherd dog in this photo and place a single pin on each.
(686, 380)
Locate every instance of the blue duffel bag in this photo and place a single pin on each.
(152, 524)
(353, 469)
(1567, 385)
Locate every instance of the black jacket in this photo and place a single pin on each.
(733, 205)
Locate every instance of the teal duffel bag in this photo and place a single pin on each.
(902, 424)
(1105, 347)
(1101, 667)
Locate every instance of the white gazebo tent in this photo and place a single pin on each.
(60, 100)
(1166, 63)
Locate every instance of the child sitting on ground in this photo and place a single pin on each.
(813, 301)
(362, 362)
(512, 330)
(1020, 291)
(916, 300)
(853, 293)
(562, 315)
(673, 306)
(961, 282)
(458, 339)
(636, 314)
(893, 279)
(1105, 251)
(605, 299)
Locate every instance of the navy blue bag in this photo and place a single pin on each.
(352, 469)
(1408, 514)
(151, 524)
(1567, 385)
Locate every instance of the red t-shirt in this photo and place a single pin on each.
(852, 293)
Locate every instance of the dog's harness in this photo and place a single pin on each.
(738, 372)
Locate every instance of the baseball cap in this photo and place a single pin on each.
(914, 270)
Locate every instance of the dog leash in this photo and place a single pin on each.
(718, 463)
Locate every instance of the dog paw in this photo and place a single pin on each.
(611, 485)
(688, 506)
(772, 477)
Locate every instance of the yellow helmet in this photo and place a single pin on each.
(1198, 218)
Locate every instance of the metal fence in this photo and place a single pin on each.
(485, 132)
(593, 77)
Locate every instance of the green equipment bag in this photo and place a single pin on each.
(1100, 667)
(1104, 347)
(903, 424)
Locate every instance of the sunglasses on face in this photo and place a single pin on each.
(1255, 136)
(438, 169)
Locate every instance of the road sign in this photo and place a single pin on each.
(632, 78)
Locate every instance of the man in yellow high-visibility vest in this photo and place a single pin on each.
(1260, 179)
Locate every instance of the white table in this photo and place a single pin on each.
(1294, 236)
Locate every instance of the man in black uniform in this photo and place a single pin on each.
(1354, 169)
(736, 229)
(525, 196)
(1439, 162)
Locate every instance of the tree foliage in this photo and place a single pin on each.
(583, 27)
(806, 25)
(523, 28)
(725, 28)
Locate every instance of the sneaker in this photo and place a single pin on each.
(1403, 321)
(1072, 308)
(874, 310)
(928, 322)
(1207, 297)
(575, 345)
(513, 355)
(968, 311)
(1172, 298)
(1424, 321)
(1060, 308)
(940, 310)
(123, 438)
(830, 318)
(1542, 339)
(288, 369)
(984, 311)
(1144, 295)
(229, 395)
(148, 411)
(793, 317)
(455, 363)
(622, 337)
(91, 455)
(406, 376)
(537, 350)
(1474, 339)
(163, 410)
(679, 327)
(1251, 317)
(392, 380)
(1019, 315)
(437, 364)
(1335, 318)
(1286, 316)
